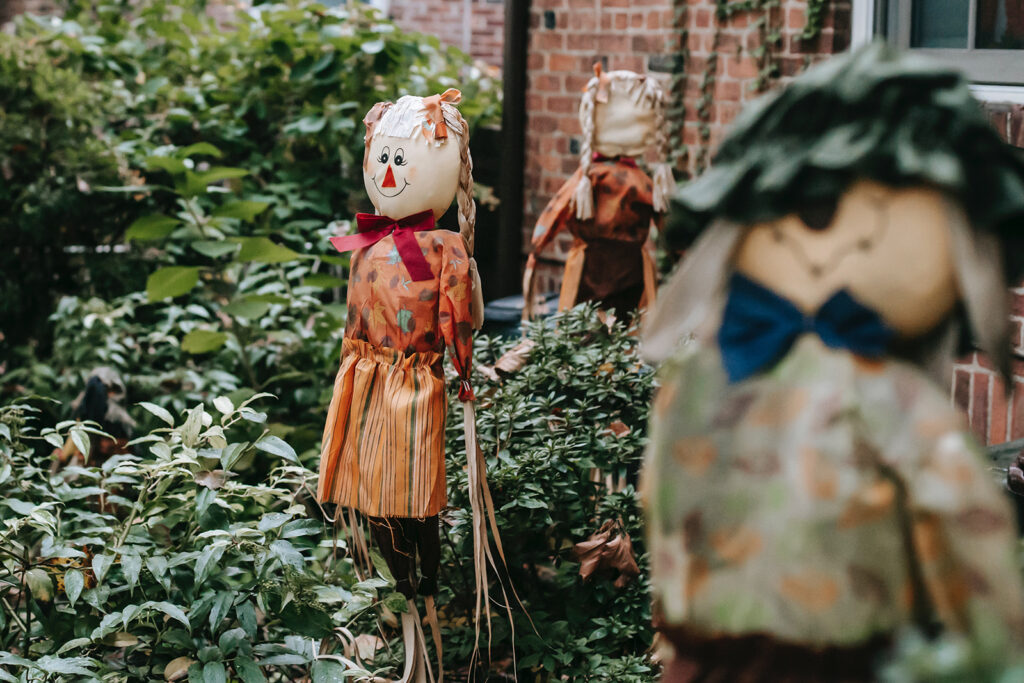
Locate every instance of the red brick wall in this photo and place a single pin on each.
(996, 417)
(737, 69)
(11, 8)
(568, 36)
(483, 25)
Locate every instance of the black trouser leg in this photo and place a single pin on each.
(397, 547)
(428, 545)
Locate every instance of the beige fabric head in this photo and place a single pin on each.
(622, 113)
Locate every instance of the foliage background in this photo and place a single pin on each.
(169, 187)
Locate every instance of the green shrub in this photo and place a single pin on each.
(544, 429)
(144, 565)
(120, 94)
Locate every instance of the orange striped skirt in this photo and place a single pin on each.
(383, 444)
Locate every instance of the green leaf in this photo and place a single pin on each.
(262, 250)
(203, 341)
(246, 614)
(153, 227)
(372, 47)
(328, 671)
(223, 405)
(269, 298)
(248, 670)
(277, 446)
(208, 559)
(302, 527)
(231, 454)
(231, 639)
(396, 602)
(82, 442)
(173, 611)
(74, 582)
(248, 310)
(204, 148)
(171, 281)
(380, 565)
(307, 621)
(214, 672)
(220, 609)
(214, 248)
(171, 165)
(243, 209)
(100, 565)
(77, 666)
(40, 584)
(157, 565)
(323, 281)
(289, 556)
(219, 173)
(131, 565)
(158, 411)
(272, 520)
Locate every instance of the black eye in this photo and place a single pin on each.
(383, 158)
(400, 157)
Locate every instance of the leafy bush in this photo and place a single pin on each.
(168, 564)
(226, 505)
(579, 403)
(130, 95)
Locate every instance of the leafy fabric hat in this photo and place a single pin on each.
(876, 113)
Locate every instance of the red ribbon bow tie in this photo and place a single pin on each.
(628, 161)
(373, 228)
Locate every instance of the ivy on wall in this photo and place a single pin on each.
(768, 23)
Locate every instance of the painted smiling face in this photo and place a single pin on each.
(406, 175)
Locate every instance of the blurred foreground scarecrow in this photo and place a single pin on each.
(809, 488)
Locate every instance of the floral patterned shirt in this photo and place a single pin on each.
(388, 309)
(823, 501)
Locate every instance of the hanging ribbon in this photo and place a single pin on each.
(604, 82)
(373, 228)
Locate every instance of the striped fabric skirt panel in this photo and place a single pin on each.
(383, 444)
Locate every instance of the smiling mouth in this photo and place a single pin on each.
(394, 194)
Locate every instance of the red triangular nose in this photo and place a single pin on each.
(389, 178)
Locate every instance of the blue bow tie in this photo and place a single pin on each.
(759, 327)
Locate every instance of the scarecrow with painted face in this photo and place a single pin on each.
(610, 204)
(809, 488)
(413, 293)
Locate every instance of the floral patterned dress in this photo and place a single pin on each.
(609, 261)
(824, 502)
(383, 444)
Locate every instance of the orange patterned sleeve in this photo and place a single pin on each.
(454, 317)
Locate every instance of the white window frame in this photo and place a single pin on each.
(863, 22)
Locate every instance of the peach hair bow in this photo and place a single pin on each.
(434, 125)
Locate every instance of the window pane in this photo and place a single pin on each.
(1000, 25)
(941, 23)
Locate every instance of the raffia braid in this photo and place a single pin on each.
(583, 195)
(467, 207)
(664, 182)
